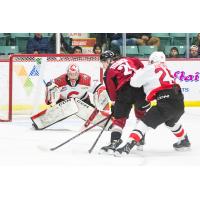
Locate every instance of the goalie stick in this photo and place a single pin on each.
(77, 135)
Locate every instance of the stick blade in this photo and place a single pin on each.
(43, 148)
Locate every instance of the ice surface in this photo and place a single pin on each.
(19, 144)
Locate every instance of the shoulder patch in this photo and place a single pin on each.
(84, 79)
(61, 80)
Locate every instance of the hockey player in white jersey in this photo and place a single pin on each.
(158, 85)
(68, 94)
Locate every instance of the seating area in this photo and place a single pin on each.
(167, 41)
(145, 51)
(16, 43)
(3, 39)
(7, 50)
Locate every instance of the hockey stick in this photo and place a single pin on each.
(95, 142)
(77, 135)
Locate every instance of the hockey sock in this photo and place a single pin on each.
(115, 135)
(178, 131)
(135, 135)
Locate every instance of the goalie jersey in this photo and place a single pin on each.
(77, 89)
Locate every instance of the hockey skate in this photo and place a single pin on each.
(125, 150)
(182, 145)
(110, 149)
(140, 144)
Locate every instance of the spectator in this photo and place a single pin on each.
(197, 42)
(174, 53)
(146, 39)
(97, 49)
(133, 39)
(65, 46)
(101, 38)
(77, 50)
(37, 45)
(194, 51)
(116, 40)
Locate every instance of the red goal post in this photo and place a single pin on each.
(24, 89)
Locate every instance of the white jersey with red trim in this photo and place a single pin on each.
(78, 89)
(153, 78)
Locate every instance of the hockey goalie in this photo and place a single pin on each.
(68, 95)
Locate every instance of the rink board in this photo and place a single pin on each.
(185, 71)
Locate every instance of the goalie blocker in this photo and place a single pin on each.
(65, 109)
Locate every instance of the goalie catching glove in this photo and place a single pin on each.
(52, 93)
(101, 99)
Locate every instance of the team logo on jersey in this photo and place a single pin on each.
(85, 77)
(163, 97)
(63, 89)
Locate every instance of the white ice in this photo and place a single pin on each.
(19, 145)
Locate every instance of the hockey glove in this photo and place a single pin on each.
(52, 93)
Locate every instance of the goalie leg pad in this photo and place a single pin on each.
(54, 114)
(85, 110)
(101, 98)
(101, 115)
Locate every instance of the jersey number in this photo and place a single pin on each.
(163, 75)
(123, 64)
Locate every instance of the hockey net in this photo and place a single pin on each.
(23, 81)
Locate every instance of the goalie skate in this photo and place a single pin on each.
(54, 114)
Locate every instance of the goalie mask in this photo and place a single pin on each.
(73, 72)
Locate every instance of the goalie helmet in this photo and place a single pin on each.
(107, 54)
(73, 71)
(157, 57)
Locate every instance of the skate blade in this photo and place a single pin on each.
(117, 154)
(183, 149)
(43, 148)
(140, 148)
(103, 152)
